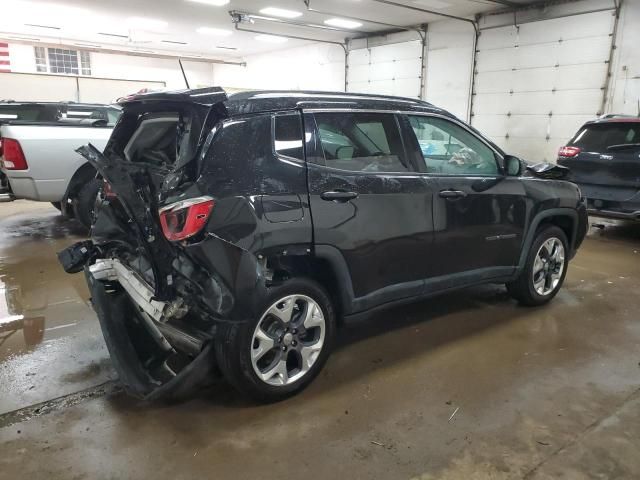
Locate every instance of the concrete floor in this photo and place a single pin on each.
(467, 386)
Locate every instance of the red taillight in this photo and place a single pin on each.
(13, 155)
(107, 191)
(184, 219)
(569, 151)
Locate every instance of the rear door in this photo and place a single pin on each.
(369, 204)
(607, 165)
(479, 214)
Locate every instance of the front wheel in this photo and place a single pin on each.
(281, 351)
(544, 270)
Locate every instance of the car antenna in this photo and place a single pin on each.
(183, 74)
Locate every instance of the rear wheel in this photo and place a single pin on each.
(84, 202)
(280, 352)
(58, 205)
(545, 269)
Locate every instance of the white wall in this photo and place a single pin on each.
(125, 67)
(312, 67)
(108, 65)
(624, 89)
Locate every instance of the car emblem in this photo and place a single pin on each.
(606, 157)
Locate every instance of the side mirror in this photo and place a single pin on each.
(512, 166)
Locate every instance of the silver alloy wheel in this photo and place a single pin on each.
(548, 266)
(287, 340)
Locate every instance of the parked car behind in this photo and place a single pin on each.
(604, 159)
(282, 213)
(37, 153)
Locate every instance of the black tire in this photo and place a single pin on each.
(234, 343)
(58, 205)
(523, 289)
(84, 203)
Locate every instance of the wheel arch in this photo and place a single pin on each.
(85, 173)
(327, 267)
(564, 218)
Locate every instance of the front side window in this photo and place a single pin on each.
(449, 149)
(366, 142)
(287, 135)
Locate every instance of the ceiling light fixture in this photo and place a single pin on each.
(270, 38)
(280, 12)
(218, 32)
(342, 23)
(215, 3)
(146, 23)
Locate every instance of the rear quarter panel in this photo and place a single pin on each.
(51, 158)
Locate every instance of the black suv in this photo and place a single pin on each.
(604, 159)
(234, 233)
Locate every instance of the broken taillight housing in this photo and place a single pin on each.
(185, 218)
(569, 151)
(13, 156)
(107, 191)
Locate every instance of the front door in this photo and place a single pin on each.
(479, 214)
(369, 203)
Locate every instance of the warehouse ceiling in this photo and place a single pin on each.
(195, 28)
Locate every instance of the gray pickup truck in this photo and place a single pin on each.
(37, 153)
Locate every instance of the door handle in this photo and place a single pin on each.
(338, 196)
(452, 194)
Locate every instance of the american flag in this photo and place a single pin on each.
(5, 63)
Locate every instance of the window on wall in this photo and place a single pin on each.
(41, 60)
(62, 60)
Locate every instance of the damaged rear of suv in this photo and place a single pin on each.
(173, 263)
(231, 233)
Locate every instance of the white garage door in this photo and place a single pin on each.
(536, 83)
(393, 69)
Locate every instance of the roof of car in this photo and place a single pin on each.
(273, 100)
(615, 118)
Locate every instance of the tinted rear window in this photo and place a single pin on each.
(598, 137)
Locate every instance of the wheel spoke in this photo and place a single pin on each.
(265, 343)
(313, 316)
(283, 310)
(309, 355)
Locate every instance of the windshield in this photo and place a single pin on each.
(598, 137)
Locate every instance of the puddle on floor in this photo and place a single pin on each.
(50, 340)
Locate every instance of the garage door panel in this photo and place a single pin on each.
(565, 126)
(531, 125)
(494, 38)
(358, 73)
(396, 51)
(359, 57)
(538, 82)
(493, 82)
(494, 126)
(579, 26)
(393, 69)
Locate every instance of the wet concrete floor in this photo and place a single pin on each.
(466, 386)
